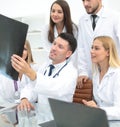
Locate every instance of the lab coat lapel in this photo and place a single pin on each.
(88, 25)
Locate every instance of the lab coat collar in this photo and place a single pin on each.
(60, 64)
(56, 32)
(101, 13)
(112, 70)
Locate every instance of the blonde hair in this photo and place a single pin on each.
(29, 58)
(109, 44)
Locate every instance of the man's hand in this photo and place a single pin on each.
(25, 105)
(21, 66)
(81, 80)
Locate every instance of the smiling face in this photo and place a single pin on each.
(60, 50)
(92, 6)
(57, 14)
(99, 54)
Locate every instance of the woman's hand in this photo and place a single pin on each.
(90, 103)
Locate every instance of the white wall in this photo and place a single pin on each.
(36, 14)
(17, 8)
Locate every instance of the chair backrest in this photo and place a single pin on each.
(83, 93)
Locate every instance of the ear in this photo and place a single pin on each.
(69, 53)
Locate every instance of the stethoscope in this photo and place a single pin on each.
(58, 71)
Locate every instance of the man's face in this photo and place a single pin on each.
(92, 6)
(59, 51)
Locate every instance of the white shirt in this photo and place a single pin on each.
(47, 44)
(7, 89)
(108, 23)
(61, 86)
(107, 93)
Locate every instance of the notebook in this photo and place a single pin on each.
(75, 115)
(12, 40)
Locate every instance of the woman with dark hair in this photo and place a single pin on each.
(60, 21)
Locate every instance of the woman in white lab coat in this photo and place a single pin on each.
(106, 77)
(10, 89)
(60, 21)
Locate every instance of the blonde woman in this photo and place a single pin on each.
(106, 77)
(10, 89)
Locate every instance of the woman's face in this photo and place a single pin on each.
(98, 53)
(25, 52)
(57, 15)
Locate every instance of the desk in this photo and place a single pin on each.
(8, 118)
(4, 122)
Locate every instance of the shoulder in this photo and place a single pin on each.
(83, 17)
(45, 28)
(75, 30)
(74, 26)
(71, 67)
(114, 72)
(112, 14)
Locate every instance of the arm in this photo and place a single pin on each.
(108, 96)
(112, 110)
(82, 61)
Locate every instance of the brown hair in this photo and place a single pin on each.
(67, 20)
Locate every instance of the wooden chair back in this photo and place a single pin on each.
(86, 92)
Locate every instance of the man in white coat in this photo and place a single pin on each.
(59, 85)
(107, 23)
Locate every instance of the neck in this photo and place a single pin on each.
(59, 27)
(103, 69)
(59, 62)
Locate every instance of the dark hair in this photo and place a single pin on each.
(70, 39)
(67, 20)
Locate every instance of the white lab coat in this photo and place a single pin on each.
(7, 89)
(107, 24)
(107, 93)
(61, 87)
(47, 44)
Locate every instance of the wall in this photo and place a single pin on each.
(36, 14)
(17, 8)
